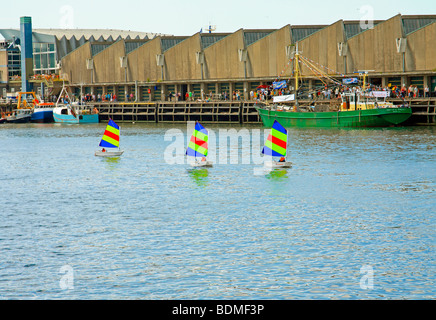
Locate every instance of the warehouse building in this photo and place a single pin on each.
(398, 51)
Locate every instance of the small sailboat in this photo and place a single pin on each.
(198, 147)
(277, 146)
(110, 142)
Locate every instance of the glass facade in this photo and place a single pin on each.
(44, 58)
(14, 63)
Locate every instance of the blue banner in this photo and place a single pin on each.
(280, 85)
(350, 81)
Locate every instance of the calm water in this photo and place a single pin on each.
(74, 226)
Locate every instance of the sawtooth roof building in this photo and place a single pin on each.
(51, 45)
(397, 51)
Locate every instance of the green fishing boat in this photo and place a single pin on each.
(383, 117)
(358, 108)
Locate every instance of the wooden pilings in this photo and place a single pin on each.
(215, 112)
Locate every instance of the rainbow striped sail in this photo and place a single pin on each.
(277, 143)
(198, 146)
(111, 137)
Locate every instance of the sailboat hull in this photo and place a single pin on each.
(275, 164)
(202, 164)
(100, 153)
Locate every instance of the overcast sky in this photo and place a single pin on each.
(185, 18)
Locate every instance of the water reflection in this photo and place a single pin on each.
(277, 174)
(111, 162)
(199, 176)
(272, 174)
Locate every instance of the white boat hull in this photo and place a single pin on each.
(202, 164)
(100, 153)
(276, 164)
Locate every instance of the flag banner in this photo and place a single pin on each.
(290, 97)
(350, 81)
(379, 94)
(280, 85)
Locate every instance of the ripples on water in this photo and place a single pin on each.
(138, 228)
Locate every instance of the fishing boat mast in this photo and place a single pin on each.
(297, 73)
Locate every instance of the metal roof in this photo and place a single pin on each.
(208, 39)
(414, 23)
(97, 33)
(10, 34)
(301, 32)
(251, 36)
(353, 28)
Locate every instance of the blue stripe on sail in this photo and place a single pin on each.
(193, 153)
(268, 152)
(106, 144)
(277, 126)
(113, 124)
(200, 128)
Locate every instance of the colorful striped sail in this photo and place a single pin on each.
(198, 146)
(111, 137)
(277, 142)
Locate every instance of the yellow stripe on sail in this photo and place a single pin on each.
(113, 130)
(279, 135)
(111, 141)
(197, 148)
(275, 147)
(201, 136)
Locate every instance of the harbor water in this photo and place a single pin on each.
(353, 219)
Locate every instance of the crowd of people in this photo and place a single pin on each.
(264, 94)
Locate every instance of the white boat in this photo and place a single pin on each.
(277, 164)
(277, 146)
(110, 142)
(100, 153)
(198, 147)
(202, 164)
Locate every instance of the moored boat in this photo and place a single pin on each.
(43, 113)
(66, 112)
(359, 107)
(380, 117)
(20, 116)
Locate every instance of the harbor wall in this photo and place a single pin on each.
(241, 112)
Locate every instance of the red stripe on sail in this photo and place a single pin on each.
(199, 142)
(277, 141)
(112, 135)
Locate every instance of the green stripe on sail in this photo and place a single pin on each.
(197, 148)
(111, 141)
(275, 147)
(201, 136)
(279, 135)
